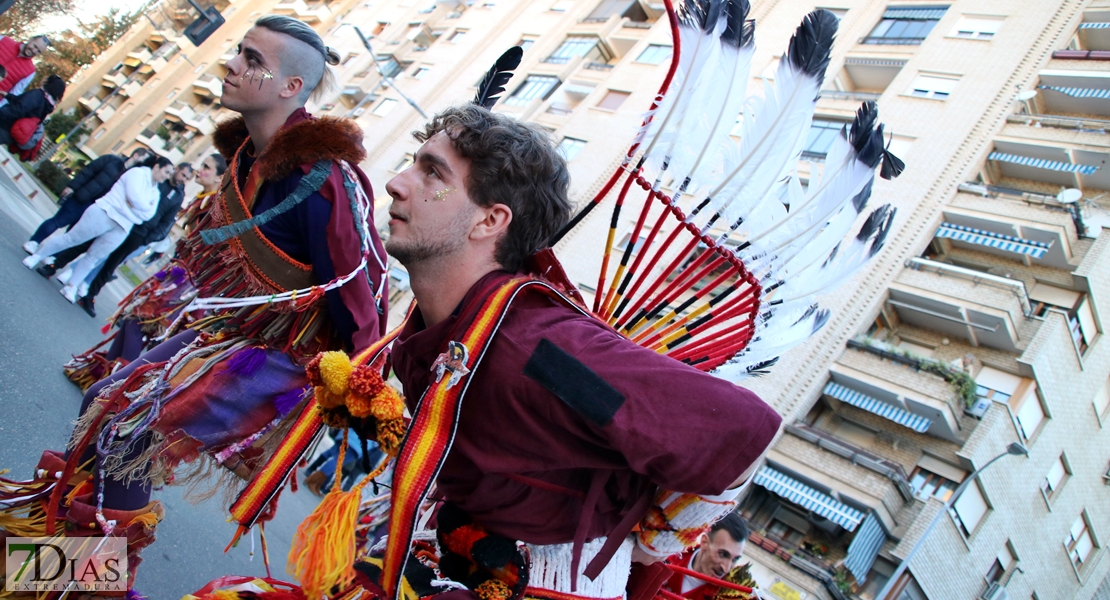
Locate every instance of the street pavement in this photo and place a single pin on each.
(40, 330)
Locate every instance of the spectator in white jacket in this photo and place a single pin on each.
(132, 200)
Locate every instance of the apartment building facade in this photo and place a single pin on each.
(980, 324)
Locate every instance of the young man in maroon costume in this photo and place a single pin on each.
(291, 219)
(569, 435)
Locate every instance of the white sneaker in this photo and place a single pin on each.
(82, 290)
(32, 261)
(63, 276)
(30, 246)
(70, 293)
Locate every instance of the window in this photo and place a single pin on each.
(573, 47)
(457, 36)
(969, 510)
(926, 484)
(822, 134)
(839, 12)
(625, 8)
(117, 146)
(384, 107)
(654, 54)
(1079, 542)
(570, 147)
(1056, 477)
(171, 94)
(994, 385)
(420, 72)
(526, 43)
(1102, 401)
(1081, 321)
(535, 86)
(379, 28)
(562, 5)
(905, 25)
(738, 126)
(100, 133)
(200, 67)
(1030, 414)
(405, 162)
(613, 100)
(929, 86)
(388, 65)
(976, 28)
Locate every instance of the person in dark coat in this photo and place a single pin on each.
(148, 232)
(91, 183)
(21, 118)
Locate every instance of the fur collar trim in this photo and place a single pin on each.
(303, 141)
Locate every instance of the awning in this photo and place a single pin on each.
(1043, 163)
(1094, 25)
(922, 13)
(902, 417)
(865, 547)
(803, 495)
(1077, 92)
(990, 239)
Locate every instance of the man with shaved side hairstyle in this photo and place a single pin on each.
(286, 264)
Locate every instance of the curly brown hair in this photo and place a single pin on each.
(514, 164)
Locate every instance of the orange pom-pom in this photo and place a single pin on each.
(312, 370)
(492, 589)
(366, 381)
(357, 404)
(387, 405)
(389, 435)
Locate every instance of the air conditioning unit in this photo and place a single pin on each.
(978, 409)
(995, 591)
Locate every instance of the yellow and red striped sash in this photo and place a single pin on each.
(432, 430)
(254, 498)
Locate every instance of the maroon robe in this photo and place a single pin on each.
(559, 401)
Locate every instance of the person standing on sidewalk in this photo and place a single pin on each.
(132, 200)
(17, 60)
(90, 184)
(150, 231)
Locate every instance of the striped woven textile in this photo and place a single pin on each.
(865, 547)
(1077, 92)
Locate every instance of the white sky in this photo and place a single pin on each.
(87, 10)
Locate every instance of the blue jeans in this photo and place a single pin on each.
(69, 212)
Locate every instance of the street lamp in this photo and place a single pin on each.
(1014, 448)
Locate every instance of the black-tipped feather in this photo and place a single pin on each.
(701, 14)
(892, 165)
(872, 223)
(884, 229)
(859, 201)
(812, 43)
(864, 124)
(739, 32)
(500, 74)
(760, 368)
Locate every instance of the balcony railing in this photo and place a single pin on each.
(858, 456)
(1047, 201)
(1014, 286)
(962, 383)
(1082, 54)
(598, 66)
(896, 41)
(855, 96)
(1081, 124)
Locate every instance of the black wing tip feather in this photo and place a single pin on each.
(760, 368)
(500, 74)
(884, 230)
(811, 46)
(739, 32)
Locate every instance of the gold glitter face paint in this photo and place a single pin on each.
(251, 75)
(441, 195)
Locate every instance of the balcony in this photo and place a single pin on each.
(154, 65)
(1072, 92)
(159, 146)
(90, 101)
(871, 74)
(299, 9)
(1045, 242)
(131, 89)
(1094, 32)
(208, 86)
(1054, 211)
(187, 116)
(1048, 165)
(982, 315)
(138, 57)
(114, 79)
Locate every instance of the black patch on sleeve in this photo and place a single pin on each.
(574, 383)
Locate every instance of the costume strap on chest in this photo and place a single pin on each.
(434, 423)
(310, 183)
